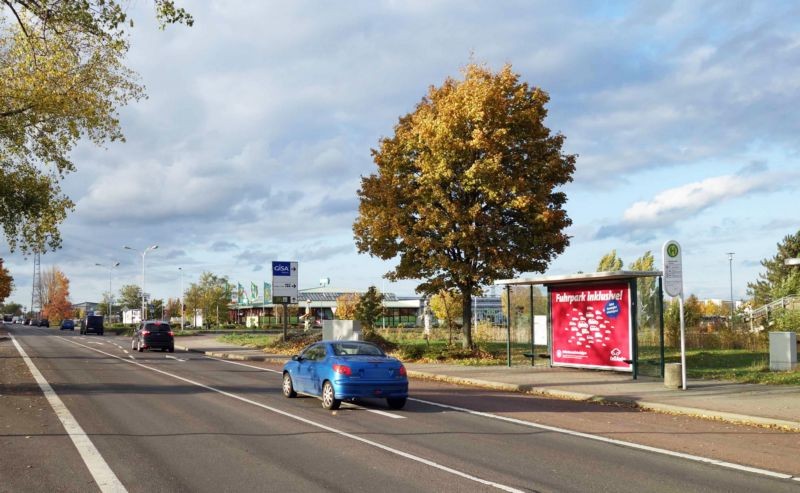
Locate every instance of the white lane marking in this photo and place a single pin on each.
(681, 455)
(125, 351)
(130, 355)
(347, 404)
(98, 467)
(94, 342)
(177, 359)
(309, 422)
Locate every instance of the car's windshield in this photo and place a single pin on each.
(356, 349)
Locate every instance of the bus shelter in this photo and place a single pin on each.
(601, 321)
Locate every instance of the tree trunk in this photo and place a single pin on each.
(466, 314)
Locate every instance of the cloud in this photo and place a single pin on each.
(675, 204)
(222, 246)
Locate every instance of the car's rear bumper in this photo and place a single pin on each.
(379, 389)
(150, 344)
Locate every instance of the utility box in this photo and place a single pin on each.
(341, 330)
(782, 351)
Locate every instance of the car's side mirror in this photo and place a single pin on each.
(297, 357)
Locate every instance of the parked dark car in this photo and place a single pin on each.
(67, 324)
(27, 321)
(346, 370)
(92, 324)
(153, 334)
(44, 323)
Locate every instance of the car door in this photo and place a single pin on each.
(301, 375)
(316, 371)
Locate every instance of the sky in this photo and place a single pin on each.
(260, 119)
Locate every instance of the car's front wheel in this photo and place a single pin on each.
(288, 387)
(329, 400)
(396, 402)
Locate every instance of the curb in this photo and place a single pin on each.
(552, 393)
(625, 401)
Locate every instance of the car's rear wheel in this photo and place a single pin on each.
(171, 349)
(396, 402)
(288, 387)
(329, 400)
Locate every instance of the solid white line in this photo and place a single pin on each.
(347, 404)
(98, 467)
(681, 455)
(309, 422)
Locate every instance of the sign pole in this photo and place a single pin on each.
(683, 342)
(671, 255)
(285, 320)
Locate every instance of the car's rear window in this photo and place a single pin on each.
(356, 349)
(94, 322)
(157, 327)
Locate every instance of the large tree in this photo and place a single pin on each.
(130, 297)
(466, 189)
(62, 78)
(209, 295)
(779, 279)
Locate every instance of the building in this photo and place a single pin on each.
(320, 304)
(87, 307)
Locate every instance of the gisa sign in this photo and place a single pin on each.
(281, 269)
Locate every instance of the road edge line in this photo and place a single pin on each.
(101, 472)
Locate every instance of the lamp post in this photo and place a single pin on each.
(181, 269)
(110, 292)
(730, 267)
(144, 253)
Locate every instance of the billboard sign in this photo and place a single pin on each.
(592, 326)
(284, 282)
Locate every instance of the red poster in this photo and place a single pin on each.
(591, 326)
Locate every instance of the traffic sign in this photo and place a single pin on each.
(284, 282)
(673, 268)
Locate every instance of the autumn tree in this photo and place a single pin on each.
(369, 309)
(346, 306)
(173, 308)
(130, 297)
(779, 279)
(62, 79)
(466, 191)
(610, 262)
(692, 312)
(210, 296)
(55, 295)
(6, 282)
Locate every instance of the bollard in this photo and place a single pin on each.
(672, 376)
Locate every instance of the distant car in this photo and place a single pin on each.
(44, 323)
(27, 321)
(67, 324)
(92, 324)
(153, 334)
(346, 370)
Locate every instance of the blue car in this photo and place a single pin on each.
(346, 370)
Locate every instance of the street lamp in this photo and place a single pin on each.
(110, 292)
(144, 253)
(730, 267)
(182, 320)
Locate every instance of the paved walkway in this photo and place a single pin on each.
(765, 405)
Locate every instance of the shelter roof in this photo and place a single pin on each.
(579, 278)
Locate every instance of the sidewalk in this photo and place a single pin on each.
(763, 405)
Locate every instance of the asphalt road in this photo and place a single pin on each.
(185, 422)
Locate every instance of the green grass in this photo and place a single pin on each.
(256, 341)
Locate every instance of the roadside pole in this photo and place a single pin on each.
(671, 255)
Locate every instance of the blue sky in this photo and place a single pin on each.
(261, 117)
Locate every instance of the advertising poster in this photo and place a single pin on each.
(592, 326)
